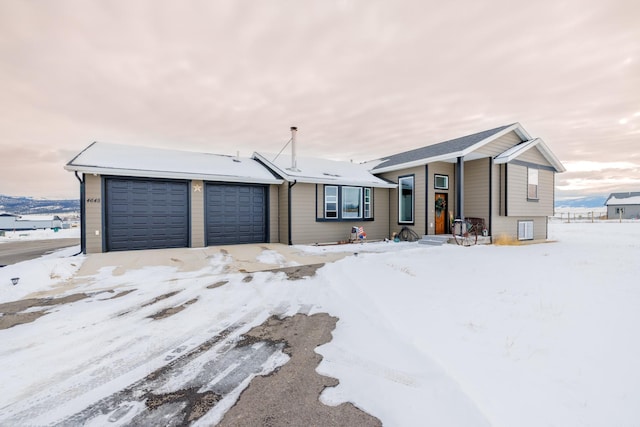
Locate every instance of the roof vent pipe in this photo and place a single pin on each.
(294, 159)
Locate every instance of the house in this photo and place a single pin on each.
(503, 176)
(144, 198)
(623, 205)
(10, 222)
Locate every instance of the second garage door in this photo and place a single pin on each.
(235, 214)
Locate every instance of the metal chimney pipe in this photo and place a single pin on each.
(294, 159)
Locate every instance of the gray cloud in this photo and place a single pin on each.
(360, 79)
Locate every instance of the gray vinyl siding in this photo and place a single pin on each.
(283, 209)
(439, 168)
(629, 212)
(534, 155)
(518, 208)
(507, 227)
(476, 189)
(307, 229)
(500, 145)
(274, 214)
(197, 214)
(517, 202)
(419, 198)
(93, 212)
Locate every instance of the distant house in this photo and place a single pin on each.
(143, 198)
(10, 222)
(623, 205)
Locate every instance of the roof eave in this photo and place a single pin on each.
(170, 175)
(415, 163)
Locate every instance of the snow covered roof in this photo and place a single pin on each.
(124, 160)
(322, 171)
(464, 146)
(617, 199)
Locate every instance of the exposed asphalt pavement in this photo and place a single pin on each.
(14, 252)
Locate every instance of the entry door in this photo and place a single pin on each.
(440, 206)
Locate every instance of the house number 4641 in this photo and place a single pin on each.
(93, 200)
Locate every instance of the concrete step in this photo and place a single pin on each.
(434, 240)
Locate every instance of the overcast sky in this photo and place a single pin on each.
(360, 79)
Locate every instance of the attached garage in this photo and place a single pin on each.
(146, 214)
(150, 198)
(236, 214)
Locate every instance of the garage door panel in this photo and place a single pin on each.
(146, 214)
(235, 214)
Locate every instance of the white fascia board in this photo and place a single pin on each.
(548, 154)
(421, 162)
(518, 150)
(329, 181)
(318, 180)
(515, 151)
(169, 175)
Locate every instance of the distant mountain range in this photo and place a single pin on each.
(31, 206)
(582, 202)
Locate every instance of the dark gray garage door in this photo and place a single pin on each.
(236, 214)
(146, 214)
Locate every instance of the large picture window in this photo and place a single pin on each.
(351, 202)
(348, 203)
(405, 199)
(532, 184)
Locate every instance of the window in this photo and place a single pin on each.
(331, 202)
(619, 211)
(405, 199)
(441, 182)
(351, 202)
(367, 203)
(348, 203)
(532, 183)
(525, 230)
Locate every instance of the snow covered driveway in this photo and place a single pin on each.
(537, 335)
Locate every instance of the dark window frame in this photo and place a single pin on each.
(339, 204)
(413, 199)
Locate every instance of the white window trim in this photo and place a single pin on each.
(525, 230)
(327, 201)
(368, 202)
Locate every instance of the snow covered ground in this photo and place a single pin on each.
(15, 236)
(532, 335)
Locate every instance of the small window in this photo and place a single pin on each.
(532, 183)
(441, 182)
(331, 202)
(525, 230)
(619, 211)
(367, 203)
(351, 202)
(405, 199)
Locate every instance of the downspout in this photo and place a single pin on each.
(460, 188)
(491, 197)
(83, 244)
(289, 210)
